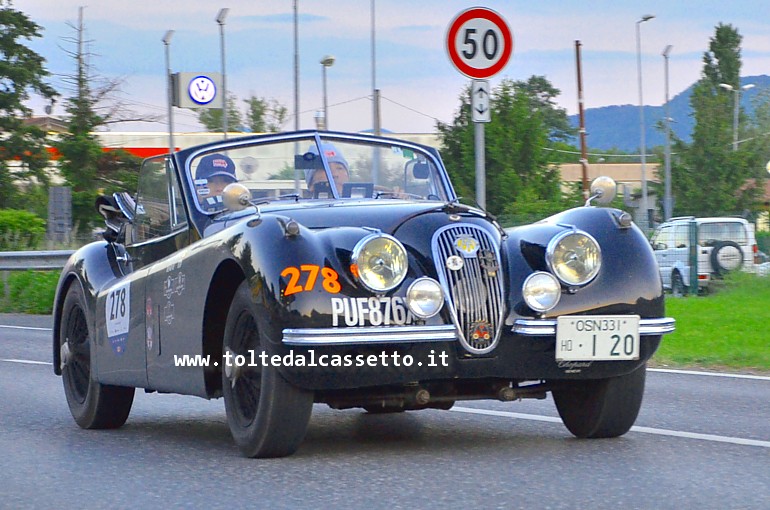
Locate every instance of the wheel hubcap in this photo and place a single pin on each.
(76, 354)
(245, 381)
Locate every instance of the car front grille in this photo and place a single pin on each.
(467, 260)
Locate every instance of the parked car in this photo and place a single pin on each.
(343, 269)
(724, 244)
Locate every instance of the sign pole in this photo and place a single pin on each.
(481, 176)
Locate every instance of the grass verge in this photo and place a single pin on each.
(727, 329)
(28, 292)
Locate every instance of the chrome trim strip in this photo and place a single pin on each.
(547, 327)
(370, 335)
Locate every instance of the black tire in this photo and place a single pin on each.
(601, 408)
(726, 256)
(93, 405)
(267, 415)
(678, 288)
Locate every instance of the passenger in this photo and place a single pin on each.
(337, 164)
(214, 172)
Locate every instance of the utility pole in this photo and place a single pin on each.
(581, 110)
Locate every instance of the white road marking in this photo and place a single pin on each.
(644, 430)
(27, 361)
(25, 327)
(710, 374)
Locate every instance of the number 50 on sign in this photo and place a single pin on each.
(479, 42)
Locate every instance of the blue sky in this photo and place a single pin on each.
(418, 83)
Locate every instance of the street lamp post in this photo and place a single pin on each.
(667, 201)
(736, 108)
(327, 61)
(646, 17)
(169, 90)
(221, 21)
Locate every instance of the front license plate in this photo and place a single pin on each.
(597, 337)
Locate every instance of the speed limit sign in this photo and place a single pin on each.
(479, 42)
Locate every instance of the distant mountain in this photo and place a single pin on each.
(617, 127)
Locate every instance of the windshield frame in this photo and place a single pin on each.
(187, 157)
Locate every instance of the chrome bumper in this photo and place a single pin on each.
(442, 333)
(547, 327)
(365, 336)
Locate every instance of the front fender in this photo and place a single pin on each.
(91, 267)
(628, 281)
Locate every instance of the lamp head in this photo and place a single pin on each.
(222, 15)
(646, 17)
(327, 61)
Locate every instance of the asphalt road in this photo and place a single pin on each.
(701, 441)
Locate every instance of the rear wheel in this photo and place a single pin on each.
(93, 405)
(601, 408)
(267, 415)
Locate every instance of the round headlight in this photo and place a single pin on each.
(425, 297)
(574, 257)
(379, 262)
(541, 291)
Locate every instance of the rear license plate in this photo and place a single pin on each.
(597, 337)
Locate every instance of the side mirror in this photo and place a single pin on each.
(118, 211)
(603, 190)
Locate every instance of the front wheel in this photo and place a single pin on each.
(678, 288)
(93, 405)
(267, 415)
(603, 407)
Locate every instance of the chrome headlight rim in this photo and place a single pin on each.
(409, 300)
(535, 305)
(551, 249)
(355, 262)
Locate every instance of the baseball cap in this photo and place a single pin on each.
(332, 156)
(215, 165)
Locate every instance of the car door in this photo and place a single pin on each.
(160, 235)
(173, 307)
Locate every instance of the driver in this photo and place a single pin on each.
(337, 164)
(214, 172)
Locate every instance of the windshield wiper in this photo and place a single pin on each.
(267, 200)
(397, 194)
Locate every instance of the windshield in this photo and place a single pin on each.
(304, 169)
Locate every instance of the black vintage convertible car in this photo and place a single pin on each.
(278, 271)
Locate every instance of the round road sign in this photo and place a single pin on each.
(479, 42)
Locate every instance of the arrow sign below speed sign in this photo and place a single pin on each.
(480, 101)
(479, 42)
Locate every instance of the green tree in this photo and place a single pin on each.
(211, 118)
(542, 98)
(520, 181)
(23, 155)
(265, 115)
(710, 179)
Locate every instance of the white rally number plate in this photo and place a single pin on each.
(597, 337)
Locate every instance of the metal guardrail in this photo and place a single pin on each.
(37, 260)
